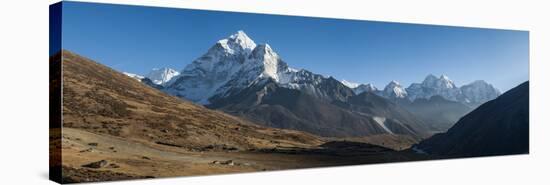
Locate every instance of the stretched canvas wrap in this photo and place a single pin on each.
(147, 92)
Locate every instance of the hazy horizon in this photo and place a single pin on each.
(136, 39)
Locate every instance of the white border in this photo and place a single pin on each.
(24, 115)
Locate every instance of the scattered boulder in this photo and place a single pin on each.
(97, 164)
(222, 147)
(93, 144)
(229, 148)
(228, 162)
(168, 144)
(146, 158)
(209, 147)
(87, 150)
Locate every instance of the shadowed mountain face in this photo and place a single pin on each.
(269, 104)
(384, 111)
(498, 127)
(439, 113)
(100, 100)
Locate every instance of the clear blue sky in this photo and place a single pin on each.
(136, 39)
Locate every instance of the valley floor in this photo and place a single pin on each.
(114, 158)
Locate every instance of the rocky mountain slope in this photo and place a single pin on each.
(269, 104)
(388, 114)
(498, 127)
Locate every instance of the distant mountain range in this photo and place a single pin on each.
(473, 94)
(238, 61)
(243, 78)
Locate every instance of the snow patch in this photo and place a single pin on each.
(382, 122)
(134, 76)
(349, 84)
(418, 150)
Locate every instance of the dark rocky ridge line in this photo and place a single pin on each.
(498, 127)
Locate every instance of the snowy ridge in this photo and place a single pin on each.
(382, 122)
(160, 76)
(474, 93)
(134, 76)
(349, 84)
(365, 88)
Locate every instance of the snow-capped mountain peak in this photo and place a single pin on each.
(445, 81)
(199, 80)
(480, 83)
(442, 82)
(394, 90)
(236, 63)
(430, 80)
(160, 76)
(432, 85)
(238, 42)
(365, 88)
(349, 84)
(444, 77)
(479, 91)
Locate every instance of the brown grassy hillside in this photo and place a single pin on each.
(101, 100)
